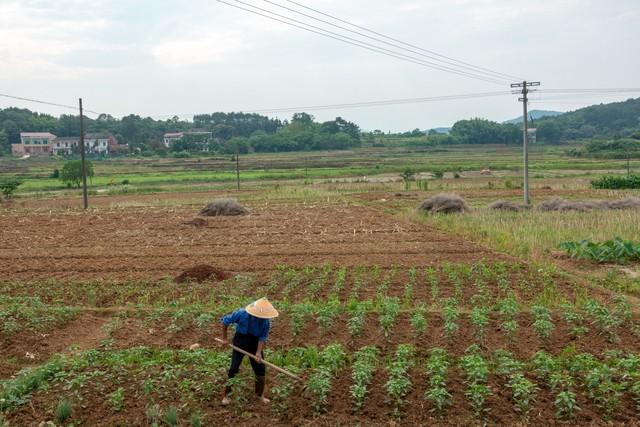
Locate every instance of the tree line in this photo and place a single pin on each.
(230, 132)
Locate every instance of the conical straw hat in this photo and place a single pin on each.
(262, 308)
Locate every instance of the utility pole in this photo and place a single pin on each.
(83, 166)
(525, 131)
(238, 168)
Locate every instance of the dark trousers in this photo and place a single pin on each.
(248, 343)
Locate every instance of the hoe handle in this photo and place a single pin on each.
(253, 356)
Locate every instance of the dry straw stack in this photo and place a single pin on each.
(444, 203)
(224, 207)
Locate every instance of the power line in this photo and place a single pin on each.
(454, 63)
(359, 43)
(402, 42)
(362, 104)
(38, 101)
(400, 101)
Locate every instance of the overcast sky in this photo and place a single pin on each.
(169, 58)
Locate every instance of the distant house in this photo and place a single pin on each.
(170, 138)
(98, 143)
(531, 133)
(33, 143)
(65, 146)
(94, 143)
(203, 138)
(116, 148)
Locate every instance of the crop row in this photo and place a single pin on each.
(196, 376)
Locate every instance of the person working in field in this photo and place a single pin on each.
(252, 331)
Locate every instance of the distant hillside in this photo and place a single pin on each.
(535, 114)
(442, 129)
(603, 121)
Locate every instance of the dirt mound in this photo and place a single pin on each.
(508, 205)
(196, 222)
(562, 205)
(224, 207)
(201, 273)
(444, 203)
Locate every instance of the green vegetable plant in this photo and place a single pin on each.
(436, 368)
(617, 250)
(366, 360)
(399, 383)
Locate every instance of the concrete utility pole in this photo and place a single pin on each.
(83, 166)
(238, 168)
(525, 131)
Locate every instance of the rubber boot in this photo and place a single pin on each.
(225, 394)
(260, 382)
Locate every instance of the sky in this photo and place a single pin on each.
(163, 58)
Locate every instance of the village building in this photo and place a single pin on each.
(33, 144)
(201, 138)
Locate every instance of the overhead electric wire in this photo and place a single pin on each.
(475, 70)
(509, 76)
(358, 43)
(385, 102)
(38, 101)
(362, 104)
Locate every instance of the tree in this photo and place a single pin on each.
(71, 173)
(8, 187)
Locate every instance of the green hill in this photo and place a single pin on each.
(603, 121)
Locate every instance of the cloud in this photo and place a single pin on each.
(202, 46)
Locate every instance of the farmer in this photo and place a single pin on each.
(252, 331)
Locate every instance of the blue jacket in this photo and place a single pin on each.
(248, 324)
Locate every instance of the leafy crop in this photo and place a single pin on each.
(612, 182)
(389, 311)
(399, 383)
(332, 359)
(436, 368)
(476, 371)
(618, 250)
(364, 366)
(419, 320)
(542, 322)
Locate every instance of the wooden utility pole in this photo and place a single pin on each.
(238, 168)
(525, 132)
(83, 165)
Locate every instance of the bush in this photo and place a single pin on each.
(617, 182)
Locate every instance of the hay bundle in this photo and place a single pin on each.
(508, 205)
(224, 207)
(444, 203)
(562, 205)
(628, 203)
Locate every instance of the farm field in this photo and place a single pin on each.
(388, 315)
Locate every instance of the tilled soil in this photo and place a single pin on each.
(153, 243)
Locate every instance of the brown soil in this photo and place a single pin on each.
(32, 348)
(196, 222)
(145, 243)
(201, 273)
